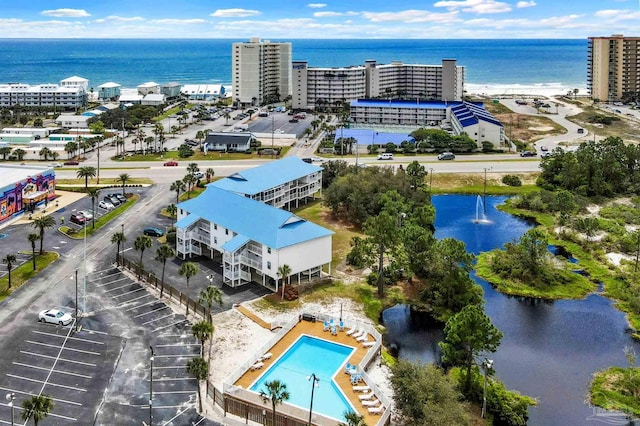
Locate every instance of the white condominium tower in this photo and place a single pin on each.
(613, 72)
(328, 87)
(261, 72)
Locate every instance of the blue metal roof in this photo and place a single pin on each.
(269, 175)
(187, 221)
(391, 103)
(235, 243)
(255, 220)
(371, 137)
(470, 113)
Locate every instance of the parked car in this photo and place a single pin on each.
(544, 149)
(307, 160)
(527, 154)
(171, 163)
(120, 198)
(78, 219)
(86, 213)
(107, 205)
(385, 156)
(446, 156)
(153, 232)
(113, 200)
(54, 316)
(317, 159)
(71, 163)
(293, 120)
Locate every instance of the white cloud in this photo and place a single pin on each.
(475, 6)
(114, 18)
(66, 13)
(411, 16)
(170, 21)
(234, 13)
(329, 14)
(317, 5)
(522, 4)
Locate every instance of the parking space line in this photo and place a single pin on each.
(167, 326)
(63, 417)
(94, 331)
(138, 298)
(64, 401)
(61, 359)
(129, 292)
(144, 304)
(63, 348)
(176, 416)
(171, 379)
(177, 344)
(46, 383)
(22, 409)
(177, 356)
(112, 282)
(57, 371)
(167, 367)
(150, 312)
(118, 288)
(173, 335)
(171, 392)
(158, 319)
(70, 338)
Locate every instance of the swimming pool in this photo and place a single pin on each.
(311, 355)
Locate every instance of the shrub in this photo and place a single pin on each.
(171, 237)
(511, 180)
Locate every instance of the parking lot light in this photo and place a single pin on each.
(151, 388)
(11, 397)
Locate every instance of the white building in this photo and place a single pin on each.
(477, 123)
(75, 81)
(282, 183)
(148, 88)
(154, 99)
(204, 92)
(329, 87)
(43, 95)
(41, 132)
(253, 239)
(72, 121)
(261, 71)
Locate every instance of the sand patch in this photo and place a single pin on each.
(541, 129)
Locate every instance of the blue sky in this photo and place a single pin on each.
(294, 19)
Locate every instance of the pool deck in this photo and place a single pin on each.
(343, 380)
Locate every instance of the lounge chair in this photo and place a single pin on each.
(334, 330)
(361, 388)
(370, 403)
(325, 326)
(352, 330)
(347, 368)
(266, 356)
(356, 378)
(369, 395)
(363, 338)
(369, 344)
(359, 334)
(376, 410)
(341, 325)
(257, 365)
(331, 322)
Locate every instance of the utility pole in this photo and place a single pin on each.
(76, 324)
(151, 389)
(430, 179)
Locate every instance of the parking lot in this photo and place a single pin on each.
(279, 123)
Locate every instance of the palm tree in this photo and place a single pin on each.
(86, 172)
(284, 271)
(226, 116)
(188, 269)
(118, 238)
(124, 178)
(210, 173)
(70, 148)
(198, 368)
(93, 193)
(9, 259)
(38, 407)
(192, 168)
(189, 180)
(142, 243)
(164, 253)
(20, 153)
(353, 419)
(202, 331)
(276, 392)
(41, 223)
(45, 152)
(200, 135)
(209, 296)
(172, 210)
(32, 239)
(179, 187)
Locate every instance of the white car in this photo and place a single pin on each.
(198, 175)
(54, 316)
(55, 165)
(87, 214)
(106, 205)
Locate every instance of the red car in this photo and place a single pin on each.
(71, 163)
(171, 163)
(78, 219)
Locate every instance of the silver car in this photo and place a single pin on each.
(106, 205)
(55, 316)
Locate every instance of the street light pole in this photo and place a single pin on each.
(11, 397)
(487, 364)
(122, 253)
(151, 389)
(430, 179)
(76, 324)
(484, 204)
(314, 380)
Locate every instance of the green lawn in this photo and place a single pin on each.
(100, 222)
(617, 389)
(24, 272)
(199, 156)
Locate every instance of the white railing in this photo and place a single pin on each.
(251, 262)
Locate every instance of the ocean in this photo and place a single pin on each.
(504, 65)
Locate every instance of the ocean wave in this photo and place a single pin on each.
(543, 89)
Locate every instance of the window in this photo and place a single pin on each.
(215, 226)
(226, 231)
(268, 265)
(269, 250)
(215, 240)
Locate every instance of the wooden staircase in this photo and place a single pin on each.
(290, 293)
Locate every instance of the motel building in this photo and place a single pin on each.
(22, 188)
(237, 220)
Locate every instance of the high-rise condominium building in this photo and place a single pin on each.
(261, 71)
(327, 87)
(613, 72)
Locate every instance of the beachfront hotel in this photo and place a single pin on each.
(70, 94)
(327, 87)
(613, 67)
(261, 71)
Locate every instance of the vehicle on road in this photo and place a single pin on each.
(198, 175)
(71, 163)
(171, 163)
(317, 159)
(385, 156)
(153, 232)
(87, 214)
(544, 149)
(78, 219)
(55, 316)
(55, 165)
(307, 160)
(446, 156)
(528, 154)
(107, 205)
(294, 120)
